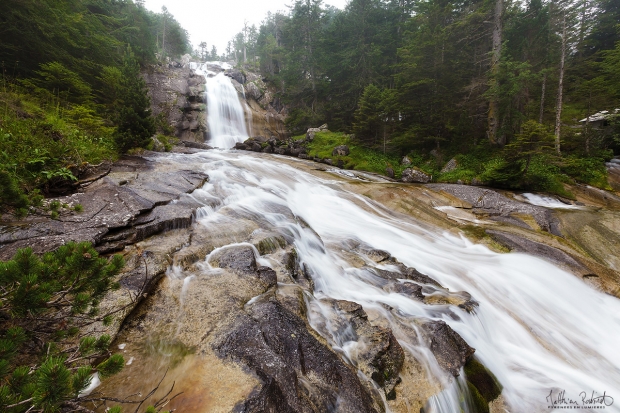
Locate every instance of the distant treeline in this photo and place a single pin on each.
(448, 75)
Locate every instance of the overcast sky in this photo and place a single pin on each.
(217, 21)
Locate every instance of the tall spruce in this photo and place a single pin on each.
(135, 125)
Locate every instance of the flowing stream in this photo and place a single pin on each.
(538, 328)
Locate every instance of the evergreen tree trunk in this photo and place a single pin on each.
(542, 99)
(558, 108)
(493, 120)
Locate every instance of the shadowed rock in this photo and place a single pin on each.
(449, 348)
(409, 289)
(380, 356)
(414, 275)
(298, 373)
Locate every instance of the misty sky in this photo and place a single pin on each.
(217, 21)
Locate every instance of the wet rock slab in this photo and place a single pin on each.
(135, 200)
(298, 373)
(381, 357)
(449, 348)
(488, 201)
(521, 244)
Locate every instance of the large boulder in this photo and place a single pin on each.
(415, 175)
(237, 75)
(450, 166)
(310, 133)
(297, 373)
(405, 161)
(238, 259)
(185, 59)
(341, 150)
(449, 348)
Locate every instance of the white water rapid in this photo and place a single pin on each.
(538, 328)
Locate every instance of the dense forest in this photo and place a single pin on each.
(506, 82)
(71, 95)
(72, 90)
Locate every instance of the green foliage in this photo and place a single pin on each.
(50, 298)
(359, 158)
(373, 115)
(412, 76)
(590, 170)
(133, 117)
(32, 283)
(71, 87)
(10, 193)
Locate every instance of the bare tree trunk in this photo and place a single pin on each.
(558, 108)
(245, 39)
(163, 39)
(542, 99)
(586, 127)
(493, 121)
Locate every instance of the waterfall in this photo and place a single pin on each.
(226, 117)
(538, 328)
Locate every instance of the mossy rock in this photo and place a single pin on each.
(270, 244)
(483, 380)
(479, 404)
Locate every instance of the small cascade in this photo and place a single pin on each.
(527, 329)
(226, 115)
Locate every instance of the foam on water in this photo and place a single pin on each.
(548, 202)
(538, 328)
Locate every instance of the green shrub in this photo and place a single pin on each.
(359, 158)
(45, 300)
(589, 170)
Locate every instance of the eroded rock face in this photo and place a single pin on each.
(488, 201)
(177, 94)
(521, 244)
(132, 202)
(298, 373)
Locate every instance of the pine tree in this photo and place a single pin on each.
(135, 125)
(44, 303)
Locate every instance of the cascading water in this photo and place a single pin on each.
(539, 329)
(226, 117)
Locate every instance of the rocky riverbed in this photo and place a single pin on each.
(263, 282)
(232, 308)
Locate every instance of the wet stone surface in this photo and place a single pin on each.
(137, 199)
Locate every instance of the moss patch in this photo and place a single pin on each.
(482, 380)
(359, 158)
